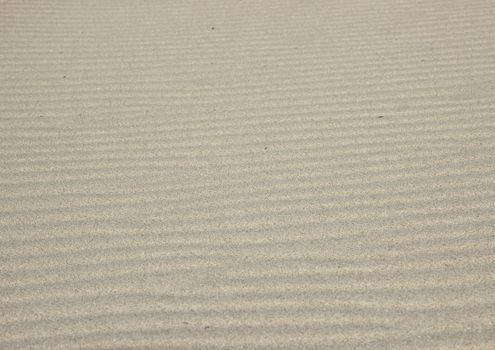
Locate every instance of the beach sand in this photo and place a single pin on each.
(247, 174)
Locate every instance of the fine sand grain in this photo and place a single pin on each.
(247, 174)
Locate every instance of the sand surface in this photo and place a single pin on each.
(247, 174)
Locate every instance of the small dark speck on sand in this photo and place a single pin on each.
(207, 327)
(266, 148)
(380, 116)
(212, 28)
(65, 76)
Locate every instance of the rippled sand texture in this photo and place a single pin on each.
(247, 174)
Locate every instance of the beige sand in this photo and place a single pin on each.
(247, 174)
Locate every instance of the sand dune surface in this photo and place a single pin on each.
(247, 174)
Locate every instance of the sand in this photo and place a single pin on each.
(247, 174)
